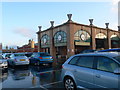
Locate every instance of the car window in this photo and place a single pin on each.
(73, 60)
(44, 54)
(34, 55)
(86, 61)
(19, 54)
(8, 55)
(117, 58)
(106, 64)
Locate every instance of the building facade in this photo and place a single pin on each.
(70, 38)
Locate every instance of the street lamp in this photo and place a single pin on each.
(91, 24)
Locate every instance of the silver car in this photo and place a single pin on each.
(3, 63)
(18, 59)
(93, 70)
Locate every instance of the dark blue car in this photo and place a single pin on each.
(110, 50)
(41, 58)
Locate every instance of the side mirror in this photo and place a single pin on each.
(117, 71)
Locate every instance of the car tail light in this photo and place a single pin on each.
(15, 60)
(40, 57)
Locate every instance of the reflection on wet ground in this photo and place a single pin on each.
(32, 77)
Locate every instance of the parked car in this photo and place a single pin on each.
(29, 54)
(41, 58)
(3, 63)
(6, 55)
(93, 70)
(87, 51)
(110, 50)
(18, 59)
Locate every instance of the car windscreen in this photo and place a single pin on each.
(28, 55)
(44, 54)
(117, 58)
(19, 54)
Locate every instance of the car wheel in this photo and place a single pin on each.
(69, 84)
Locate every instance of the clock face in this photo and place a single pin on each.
(59, 37)
(82, 36)
(44, 40)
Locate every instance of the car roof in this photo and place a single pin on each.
(107, 54)
(114, 49)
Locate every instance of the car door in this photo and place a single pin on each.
(84, 71)
(104, 76)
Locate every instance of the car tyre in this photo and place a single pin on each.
(69, 84)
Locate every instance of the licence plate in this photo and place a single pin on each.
(47, 58)
(22, 59)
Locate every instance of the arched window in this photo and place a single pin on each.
(45, 40)
(115, 37)
(101, 36)
(60, 37)
(115, 40)
(82, 36)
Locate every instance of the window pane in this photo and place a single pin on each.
(73, 60)
(86, 61)
(106, 64)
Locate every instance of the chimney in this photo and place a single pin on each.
(91, 21)
(69, 17)
(39, 28)
(119, 28)
(107, 24)
(52, 24)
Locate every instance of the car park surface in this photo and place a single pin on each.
(32, 77)
(102, 70)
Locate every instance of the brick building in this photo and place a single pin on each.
(70, 38)
(30, 47)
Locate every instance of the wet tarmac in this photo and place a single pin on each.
(31, 77)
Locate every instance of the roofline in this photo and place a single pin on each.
(71, 22)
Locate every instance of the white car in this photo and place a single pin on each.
(3, 63)
(18, 59)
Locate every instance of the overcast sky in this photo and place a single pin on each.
(20, 20)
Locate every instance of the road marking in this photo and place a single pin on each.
(40, 87)
(51, 83)
(49, 71)
(43, 86)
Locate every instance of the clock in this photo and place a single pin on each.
(44, 40)
(82, 36)
(59, 37)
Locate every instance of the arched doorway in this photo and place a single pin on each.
(60, 43)
(81, 41)
(101, 39)
(115, 41)
(45, 43)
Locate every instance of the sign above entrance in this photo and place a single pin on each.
(82, 43)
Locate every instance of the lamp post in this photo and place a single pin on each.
(91, 39)
(108, 36)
